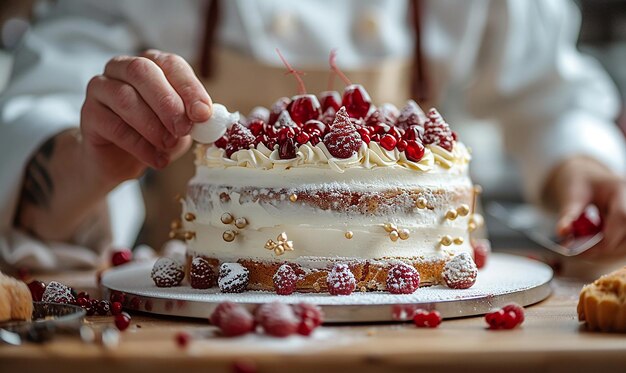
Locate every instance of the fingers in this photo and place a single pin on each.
(149, 80)
(125, 101)
(181, 76)
(575, 198)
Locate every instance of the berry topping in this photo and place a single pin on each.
(182, 339)
(356, 101)
(402, 279)
(411, 115)
(37, 288)
(220, 310)
(303, 138)
(285, 280)
(343, 140)
(437, 131)
(167, 272)
(277, 108)
(233, 278)
(120, 257)
(304, 108)
(56, 292)
(426, 319)
(481, 248)
(310, 317)
(388, 142)
(508, 317)
(201, 274)
(330, 99)
(287, 149)
(122, 321)
(222, 142)
(259, 113)
(256, 126)
(315, 125)
(277, 319)
(340, 280)
(116, 308)
(414, 132)
(414, 150)
(460, 272)
(588, 223)
(236, 321)
(402, 145)
(239, 138)
(379, 116)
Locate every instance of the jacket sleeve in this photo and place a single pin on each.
(552, 101)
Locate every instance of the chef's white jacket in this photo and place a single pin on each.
(514, 61)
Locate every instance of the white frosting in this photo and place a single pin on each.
(214, 128)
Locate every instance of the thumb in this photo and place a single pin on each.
(574, 199)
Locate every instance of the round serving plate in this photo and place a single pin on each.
(506, 278)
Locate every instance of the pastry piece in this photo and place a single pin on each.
(602, 304)
(15, 299)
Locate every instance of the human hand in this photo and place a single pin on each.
(139, 113)
(581, 181)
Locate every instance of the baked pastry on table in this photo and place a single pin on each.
(602, 304)
(15, 299)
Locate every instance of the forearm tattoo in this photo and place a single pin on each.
(38, 187)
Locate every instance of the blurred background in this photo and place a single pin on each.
(603, 36)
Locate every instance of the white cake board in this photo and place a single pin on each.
(505, 278)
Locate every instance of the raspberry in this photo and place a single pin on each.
(343, 140)
(330, 99)
(437, 131)
(414, 150)
(167, 272)
(122, 321)
(120, 257)
(201, 274)
(388, 142)
(481, 248)
(233, 278)
(426, 319)
(340, 280)
(222, 142)
(182, 339)
(310, 317)
(116, 308)
(256, 126)
(37, 288)
(402, 279)
(287, 149)
(315, 125)
(285, 280)
(278, 107)
(303, 108)
(377, 117)
(588, 223)
(58, 293)
(239, 138)
(517, 310)
(414, 132)
(505, 318)
(277, 319)
(356, 100)
(220, 310)
(236, 321)
(460, 272)
(411, 115)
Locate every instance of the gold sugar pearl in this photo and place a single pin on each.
(451, 214)
(229, 236)
(227, 218)
(393, 236)
(293, 197)
(403, 234)
(241, 223)
(172, 234)
(458, 240)
(189, 235)
(190, 216)
(390, 227)
(463, 210)
(349, 235)
(446, 240)
(421, 203)
(176, 224)
(279, 250)
(282, 237)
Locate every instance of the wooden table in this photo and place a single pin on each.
(551, 339)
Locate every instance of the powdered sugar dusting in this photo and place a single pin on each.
(233, 277)
(460, 272)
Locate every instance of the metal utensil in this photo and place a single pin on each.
(534, 225)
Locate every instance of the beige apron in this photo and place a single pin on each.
(240, 83)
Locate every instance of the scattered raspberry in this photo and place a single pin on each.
(220, 310)
(167, 272)
(402, 279)
(285, 279)
(426, 319)
(340, 280)
(277, 319)
(201, 274)
(116, 308)
(236, 321)
(122, 321)
(239, 138)
(437, 131)
(508, 317)
(460, 272)
(588, 223)
(37, 288)
(56, 292)
(182, 339)
(278, 107)
(120, 257)
(117, 296)
(233, 278)
(356, 100)
(411, 115)
(517, 309)
(482, 248)
(414, 150)
(310, 317)
(343, 140)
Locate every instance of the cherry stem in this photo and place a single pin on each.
(335, 69)
(294, 72)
